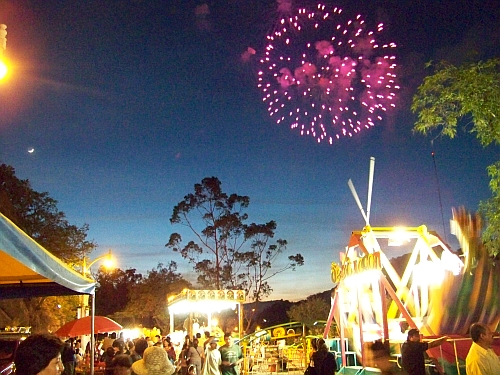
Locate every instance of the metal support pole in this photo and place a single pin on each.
(331, 316)
(383, 304)
(240, 320)
(342, 327)
(360, 323)
(92, 330)
(456, 357)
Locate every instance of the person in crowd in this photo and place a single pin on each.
(39, 354)
(140, 346)
(201, 340)
(68, 358)
(206, 340)
(122, 364)
(98, 348)
(413, 352)
(107, 358)
(78, 353)
(213, 361)
(169, 348)
(121, 337)
(119, 347)
(131, 351)
(481, 359)
(187, 340)
(322, 360)
(378, 354)
(314, 345)
(107, 342)
(231, 356)
(154, 362)
(128, 345)
(195, 356)
(182, 366)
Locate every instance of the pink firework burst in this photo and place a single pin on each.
(327, 75)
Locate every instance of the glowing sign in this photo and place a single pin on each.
(209, 295)
(348, 267)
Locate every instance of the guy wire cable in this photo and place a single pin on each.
(439, 191)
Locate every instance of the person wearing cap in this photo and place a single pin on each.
(231, 356)
(481, 359)
(154, 362)
(412, 352)
(213, 360)
(39, 354)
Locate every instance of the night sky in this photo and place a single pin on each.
(127, 104)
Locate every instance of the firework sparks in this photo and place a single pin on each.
(327, 75)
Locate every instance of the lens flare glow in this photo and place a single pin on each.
(327, 75)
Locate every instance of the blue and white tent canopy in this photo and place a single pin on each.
(28, 270)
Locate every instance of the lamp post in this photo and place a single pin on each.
(86, 270)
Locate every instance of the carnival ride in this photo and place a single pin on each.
(439, 291)
(275, 349)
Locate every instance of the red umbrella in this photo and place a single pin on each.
(81, 326)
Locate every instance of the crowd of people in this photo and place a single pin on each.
(480, 360)
(45, 354)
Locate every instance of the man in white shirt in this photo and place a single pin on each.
(481, 359)
(212, 359)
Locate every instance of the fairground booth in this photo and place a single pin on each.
(195, 303)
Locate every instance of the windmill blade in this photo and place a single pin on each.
(356, 198)
(370, 189)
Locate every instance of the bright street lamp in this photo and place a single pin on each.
(107, 263)
(3, 70)
(3, 45)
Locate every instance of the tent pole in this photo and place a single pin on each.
(92, 338)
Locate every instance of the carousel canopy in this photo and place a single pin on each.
(205, 301)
